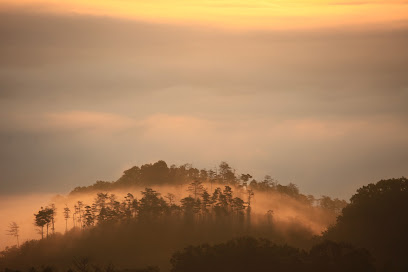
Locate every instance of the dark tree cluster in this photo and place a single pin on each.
(250, 254)
(46, 218)
(200, 206)
(377, 219)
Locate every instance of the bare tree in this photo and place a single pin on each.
(14, 230)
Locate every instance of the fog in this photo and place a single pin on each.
(288, 213)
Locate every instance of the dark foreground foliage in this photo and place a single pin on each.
(245, 254)
(250, 254)
(377, 219)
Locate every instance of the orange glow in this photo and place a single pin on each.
(279, 14)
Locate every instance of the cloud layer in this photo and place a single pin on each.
(83, 97)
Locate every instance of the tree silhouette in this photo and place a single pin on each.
(151, 205)
(43, 218)
(129, 208)
(52, 213)
(226, 175)
(67, 212)
(245, 178)
(377, 219)
(196, 188)
(250, 254)
(14, 230)
(89, 217)
(170, 197)
(79, 211)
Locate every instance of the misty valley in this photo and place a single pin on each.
(179, 218)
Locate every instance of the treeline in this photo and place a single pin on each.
(369, 234)
(145, 231)
(159, 173)
(199, 207)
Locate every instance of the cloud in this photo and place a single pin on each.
(233, 14)
(81, 96)
(88, 121)
(377, 2)
(177, 127)
(62, 122)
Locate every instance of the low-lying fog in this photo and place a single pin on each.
(21, 209)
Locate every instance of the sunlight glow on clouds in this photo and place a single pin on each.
(276, 14)
(82, 95)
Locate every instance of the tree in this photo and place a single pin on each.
(43, 218)
(156, 173)
(251, 254)
(226, 174)
(170, 197)
(129, 208)
(228, 195)
(89, 217)
(271, 182)
(67, 212)
(245, 178)
(190, 206)
(269, 216)
(14, 230)
(339, 257)
(211, 177)
(101, 199)
(206, 201)
(376, 219)
(250, 195)
(238, 207)
(335, 205)
(196, 188)
(151, 205)
(52, 213)
(78, 211)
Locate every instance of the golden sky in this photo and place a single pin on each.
(83, 98)
(275, 14)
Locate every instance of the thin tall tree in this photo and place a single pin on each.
(67, 212)
(196, 188)
(14, 230)
(52, 213)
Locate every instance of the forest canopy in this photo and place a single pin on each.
(158, 173)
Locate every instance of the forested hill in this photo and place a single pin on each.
(159, 173)
(200, 230)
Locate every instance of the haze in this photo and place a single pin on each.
(288, 212)
(86, 93)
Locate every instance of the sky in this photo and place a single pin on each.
(311, 92)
